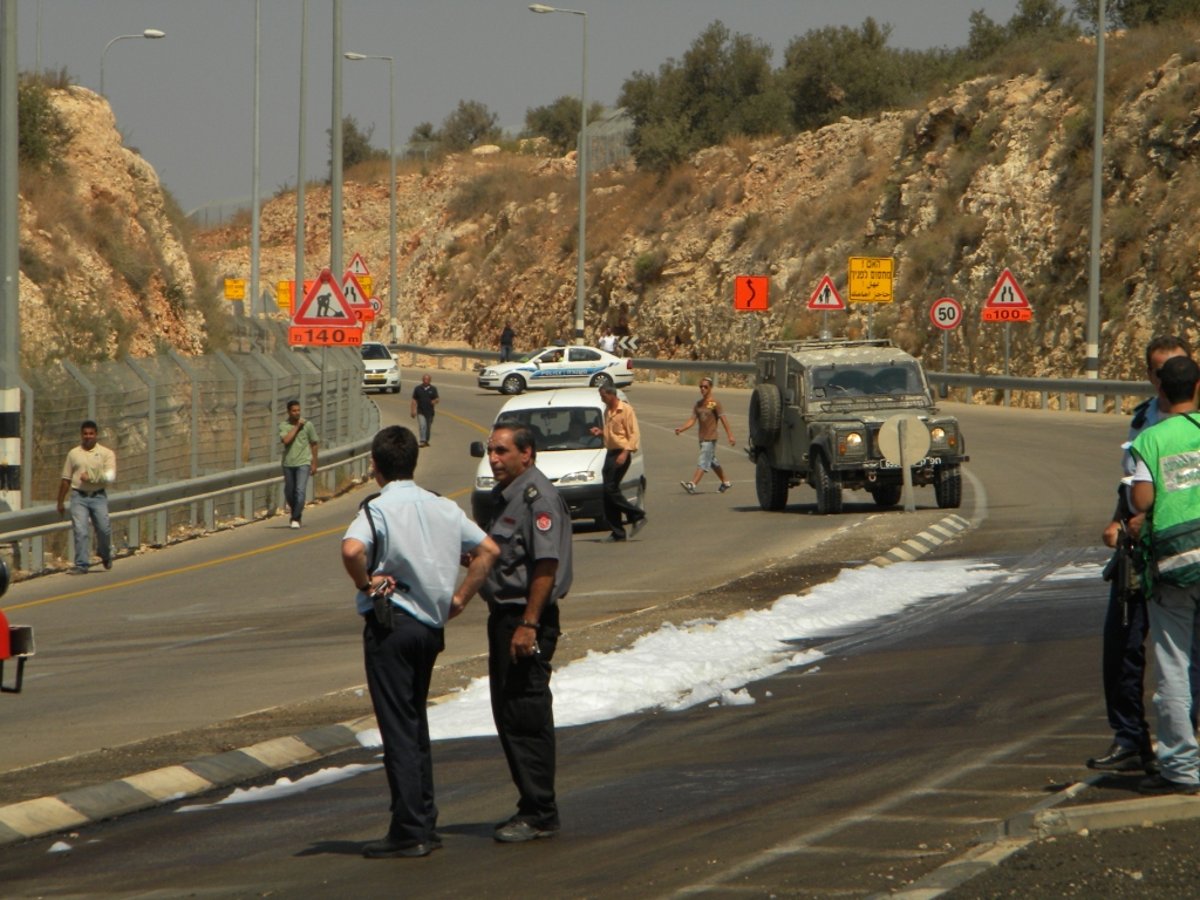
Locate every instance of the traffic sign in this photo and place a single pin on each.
(359, 299)
(235, 288)
(826, 296)
(871, 279)
(750, 293)
(628, 343)
(326, 336)
(358, 265)
(377, 305)
(1007, 302)
(325, 305)
(946, 313)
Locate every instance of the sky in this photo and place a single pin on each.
(185, 102)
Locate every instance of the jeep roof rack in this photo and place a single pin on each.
(824, 344)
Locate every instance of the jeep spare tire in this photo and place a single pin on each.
(766, 415)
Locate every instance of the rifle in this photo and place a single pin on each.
(1124, 570)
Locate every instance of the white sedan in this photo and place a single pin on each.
(558, 367)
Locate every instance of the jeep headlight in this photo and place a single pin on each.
(942, 437)
(484, 482)
(849, 443)
(583, 477)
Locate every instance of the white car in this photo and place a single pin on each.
(558, 367)
(567, 452)
(381, 372)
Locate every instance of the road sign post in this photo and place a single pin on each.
(324, 318)
(871, 282)
(1007, 303)
(946, 314)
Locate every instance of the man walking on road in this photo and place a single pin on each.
(424, 399)
(402, 552)
(621, 439)
(89, 470)
(1126, 622)
(531, 525)
(299, 440)
(1166, 484)
(707, 412)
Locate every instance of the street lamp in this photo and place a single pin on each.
(151, 33)
(391, 61)
(582, 160)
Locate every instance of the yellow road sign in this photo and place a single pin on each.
(871, 279)
(235, 288)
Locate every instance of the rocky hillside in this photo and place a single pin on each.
(993, 175)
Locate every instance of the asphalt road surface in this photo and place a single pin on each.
(910, 742)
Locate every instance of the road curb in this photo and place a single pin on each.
(84, 806)
(925, 542)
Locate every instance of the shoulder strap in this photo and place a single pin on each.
(365, 506)
(1190, 419)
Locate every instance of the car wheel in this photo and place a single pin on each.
(948, 487)
(829, 491)
(602, 380)
(770, 484)
(766, 415)
(886, 495)
(512, 384)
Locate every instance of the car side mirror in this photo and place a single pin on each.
(477, 449)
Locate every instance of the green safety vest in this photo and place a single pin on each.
(1171, 450)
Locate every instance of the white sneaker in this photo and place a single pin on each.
(295, 524)
(688, 486)
(725, 485)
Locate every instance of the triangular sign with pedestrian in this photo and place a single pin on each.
(826, 296)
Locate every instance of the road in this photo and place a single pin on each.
(912, 740)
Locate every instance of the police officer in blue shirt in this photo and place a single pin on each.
(403, 552)
(531, 525)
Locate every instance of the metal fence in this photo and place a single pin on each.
(173, 419)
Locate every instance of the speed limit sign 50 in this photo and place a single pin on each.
(946, 313)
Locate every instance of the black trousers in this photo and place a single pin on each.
(523, 710)
(399, 667)
(1124, 670)
(614, 501)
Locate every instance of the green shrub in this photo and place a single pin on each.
(42, 133)
(648, 267)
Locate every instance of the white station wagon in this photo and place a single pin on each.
(557, 367)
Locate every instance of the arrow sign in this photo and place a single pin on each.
(750, 293)
(628, 343)
(826, 296)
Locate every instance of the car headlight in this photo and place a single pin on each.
(484, 482)
(850, 442)
(943, 437)
(578, 477)
(487, 373)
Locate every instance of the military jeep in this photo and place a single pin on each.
(815, 418)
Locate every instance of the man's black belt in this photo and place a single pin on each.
(89, 493)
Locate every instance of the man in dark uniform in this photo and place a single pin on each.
(532, 526)
(1126, 623)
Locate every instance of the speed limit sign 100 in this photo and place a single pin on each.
(946, 313)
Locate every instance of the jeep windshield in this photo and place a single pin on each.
(558, 428)
(866, 382)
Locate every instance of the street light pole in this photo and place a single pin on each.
(1092, 336)
(582, 164)
(393, 323)
(151, 33)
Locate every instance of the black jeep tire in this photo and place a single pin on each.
(829, 490)
(766, 415)
(948, 487)
(770, 484)
(512, 384)
(886, 495)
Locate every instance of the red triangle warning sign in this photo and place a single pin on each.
(826, 296)
(1007, 294)
(324, 304)
(358, 265)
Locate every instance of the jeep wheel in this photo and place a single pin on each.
(770, 484)
(829, 491)
(886, 495)
(512, 384)
(948, 487)
(766, 415)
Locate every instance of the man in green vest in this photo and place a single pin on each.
(1166, 486)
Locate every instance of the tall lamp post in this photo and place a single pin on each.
(393, 324)
(151, 33)
(582, 160)
(1092, 335)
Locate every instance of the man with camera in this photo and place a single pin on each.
(402, 552)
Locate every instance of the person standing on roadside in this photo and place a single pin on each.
(299, 439)
(507, 336)
(621, 441)
(707, 412)
(89, 470)
(402, 552)
(424, 399)
(1166, 486)
(531, 525)
(1123, 661)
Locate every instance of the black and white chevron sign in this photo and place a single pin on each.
(628, 344)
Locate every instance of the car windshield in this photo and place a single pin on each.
(558, 428)
(865, 380)
(375, 351)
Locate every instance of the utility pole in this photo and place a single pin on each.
(10, 322)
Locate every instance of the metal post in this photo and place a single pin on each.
(298, 284)
(335, 149)
(255, 301)
(10, 322)
(393, 323)
(1093, 310)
